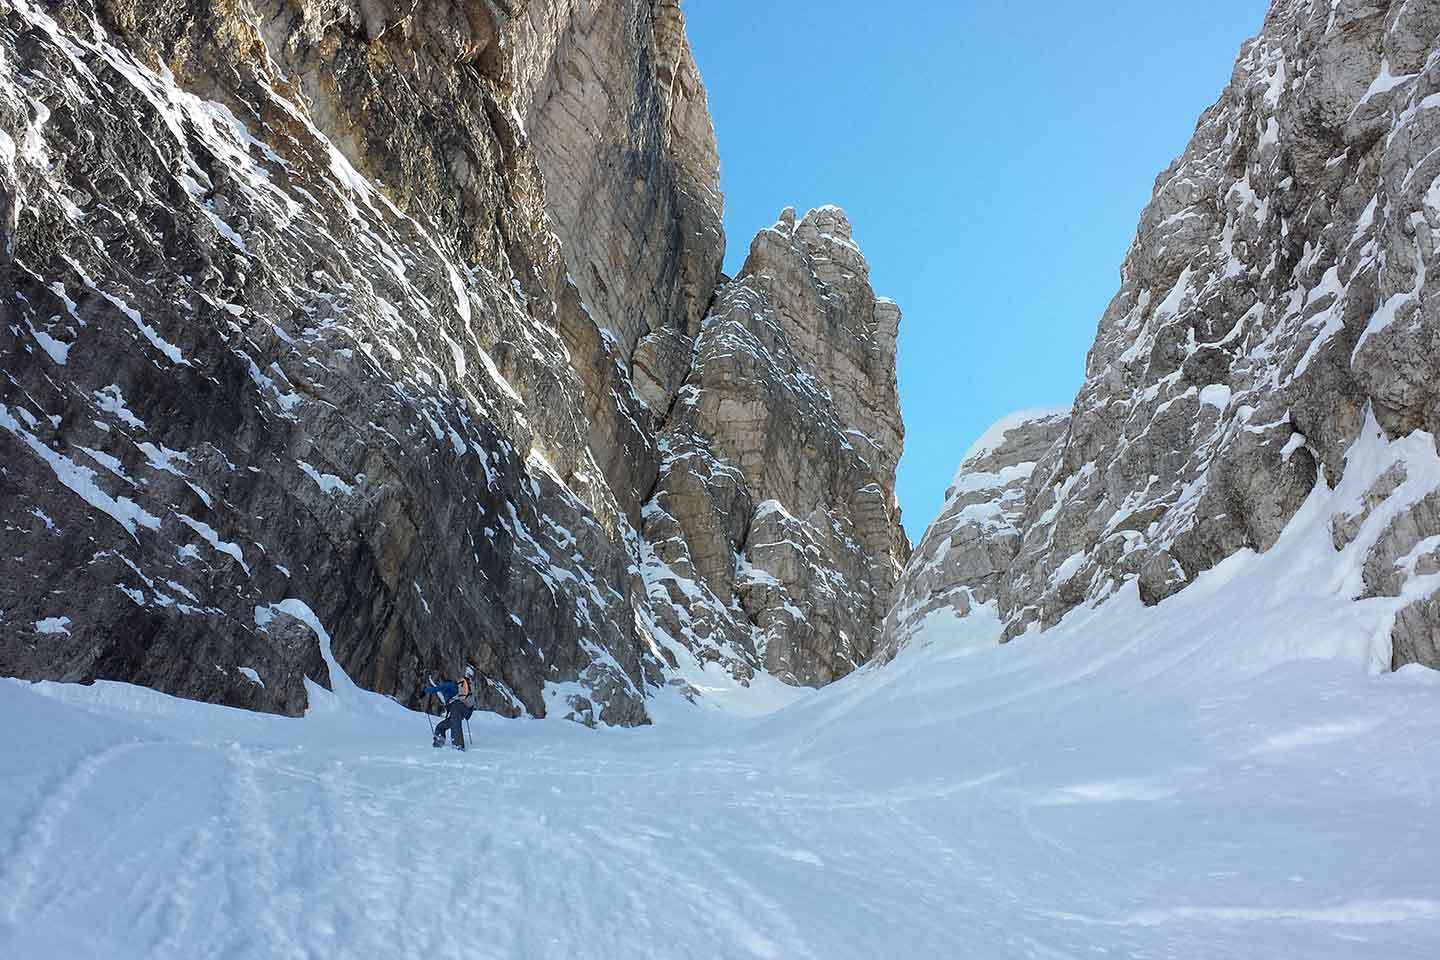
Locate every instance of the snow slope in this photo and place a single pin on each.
(1221, 776)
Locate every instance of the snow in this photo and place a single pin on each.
(211, 537)
(287, 401)
(1271, 135)
(1216, 395)
(56, 350)
(81, 480)
(327, 482)
(53, 625)
(1384, 82)
(967, 482)
(1385, 316)
(498, 378)
(1424, 548)
(1222, 775)
(171, 352)
(767, 507)
(982, 513)
(109, 462)
(162, 458)
(112, 401)
(1069, 568)
(991, 439)
(205, 498)
(1330, 319)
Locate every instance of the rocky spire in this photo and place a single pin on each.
(774, 533)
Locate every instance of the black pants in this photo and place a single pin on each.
(455, 723)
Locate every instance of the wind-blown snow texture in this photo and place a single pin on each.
(1217, 777)
(1275, 312)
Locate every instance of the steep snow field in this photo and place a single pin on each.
(1222, 776)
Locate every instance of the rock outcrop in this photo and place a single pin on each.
(774, 536)
(1275, 333)
(962, 560)
(618, 119)
(289, 321)
(371, 334)
(632, 175)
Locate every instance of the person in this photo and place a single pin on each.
(455, 696)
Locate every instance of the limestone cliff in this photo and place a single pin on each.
(1274, 339)
(370, 332)
(967, 552)
(774, 537)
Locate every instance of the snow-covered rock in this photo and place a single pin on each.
(1274, 311)
(388, 309)
(774, 537)
(966, 552)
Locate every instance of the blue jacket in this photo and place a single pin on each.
(448, 690)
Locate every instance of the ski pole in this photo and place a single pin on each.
(426, 707)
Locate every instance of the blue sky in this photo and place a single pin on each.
(994, 158)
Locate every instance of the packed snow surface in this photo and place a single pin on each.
(1225, 775)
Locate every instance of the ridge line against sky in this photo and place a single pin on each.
(994, 160)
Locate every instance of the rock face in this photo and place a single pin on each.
(632, 175)
(1275, 332)
(963, 559)
(632, 186)
(355, 334)
(774, 537)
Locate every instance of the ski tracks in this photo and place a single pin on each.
(24, 873)
(176, 914)
(646, 848)
(257, 901)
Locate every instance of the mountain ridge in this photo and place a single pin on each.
(1273, 314)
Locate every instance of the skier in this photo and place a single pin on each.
(454, 695)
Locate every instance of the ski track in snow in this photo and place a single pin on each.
(25, 863)
(1080, 797)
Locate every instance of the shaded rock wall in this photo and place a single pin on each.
(282, 324)
(287, 317)
(631, 169)
(386, 315)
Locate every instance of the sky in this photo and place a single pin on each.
(994, 159)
